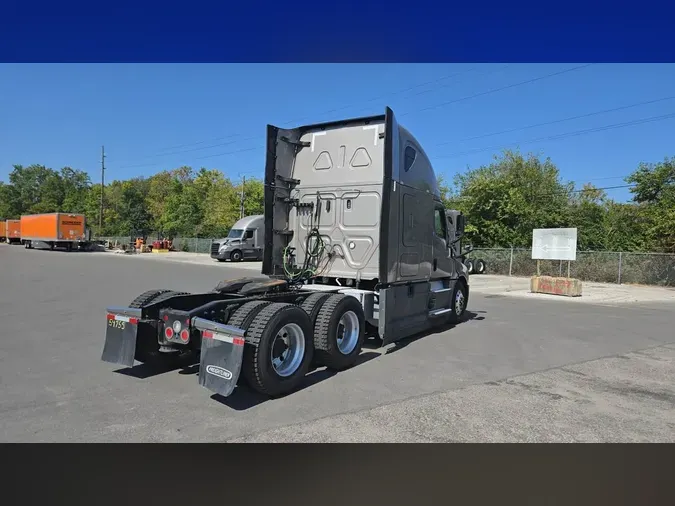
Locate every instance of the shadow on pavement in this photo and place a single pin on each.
(468, 316)
(184, 365)
(244, 398)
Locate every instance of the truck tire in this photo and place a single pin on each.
(469, 266)
(313, 304)
(243, 316)
(480, 266)
(339, 332)
(458, 301)
(145, 298)
(236, 256)
(279, 349)
(167, 295)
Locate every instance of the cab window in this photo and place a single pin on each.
(409, 158)
(440, 228)
(249, 234)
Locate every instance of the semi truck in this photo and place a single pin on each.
(56, 230)
(13, 230)
(357, 243)
(246, 241)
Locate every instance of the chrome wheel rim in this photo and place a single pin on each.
(288, 349)
(459, 302)
(348, 332)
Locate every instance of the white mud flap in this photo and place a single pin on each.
(121, 335)
(222, 352)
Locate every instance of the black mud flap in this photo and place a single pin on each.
(120, 336)
(222, 353)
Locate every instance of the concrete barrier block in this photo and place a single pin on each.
(569, 287)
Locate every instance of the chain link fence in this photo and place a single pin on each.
(599, 266)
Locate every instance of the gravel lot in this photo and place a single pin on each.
(519, 369)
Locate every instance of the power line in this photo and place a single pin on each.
(502, 88)
(562, 120)
(495, 90)
(404, 90)
(561, 193)
(289, 122)
(200, 142)
(566, 135)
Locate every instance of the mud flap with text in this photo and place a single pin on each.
(222, 352)
(120, 336)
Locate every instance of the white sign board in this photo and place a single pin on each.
(554, 244)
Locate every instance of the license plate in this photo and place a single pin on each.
(120, 322)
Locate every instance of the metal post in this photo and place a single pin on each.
(560, 269)
(568, 269)
(538, 269)
(620, 262)
(100, 214)
(511, 262)
(241, 203)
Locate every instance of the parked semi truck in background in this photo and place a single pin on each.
(56, 230)
(357, 242)
(13, 230)
(246, 241)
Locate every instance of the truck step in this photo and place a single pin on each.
(439, 312)
(441, 290)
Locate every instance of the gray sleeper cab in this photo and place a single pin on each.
(356, 241)
(244, 242)
(378, 209)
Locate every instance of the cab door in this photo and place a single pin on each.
(248, 244)
(442, 265)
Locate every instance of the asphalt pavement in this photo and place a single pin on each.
(516, 370)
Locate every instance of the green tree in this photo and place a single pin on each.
(76, 186)
(133, 211)
(254, 196)
(505, 200)
(624, 227)
(586, 213)
(654, 188)
(8, 201)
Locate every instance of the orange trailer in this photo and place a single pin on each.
(54, 229)
(3, 230)
(13, 228)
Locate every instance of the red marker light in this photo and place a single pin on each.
(168, 332)
(166, 317)
(184, 336)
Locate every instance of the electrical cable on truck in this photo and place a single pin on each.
(315, 252)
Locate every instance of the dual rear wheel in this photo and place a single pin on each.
(284, 340)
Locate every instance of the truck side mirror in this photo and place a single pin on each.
(461, 222)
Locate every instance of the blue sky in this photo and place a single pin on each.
(154, 117)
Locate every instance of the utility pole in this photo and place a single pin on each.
(241, 203)
(100, 214)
